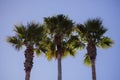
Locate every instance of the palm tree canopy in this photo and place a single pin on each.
(60, 26)
(32, 33)
(94, 30)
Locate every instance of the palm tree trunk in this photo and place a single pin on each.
(93, 70)
(92, 54)
(59, 68)
(59, 53)
(27, 77)
(28, 61)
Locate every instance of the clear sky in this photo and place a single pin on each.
(22, 11)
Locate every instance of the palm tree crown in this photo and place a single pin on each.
(59, 30)
(32, 34)
(94, 31)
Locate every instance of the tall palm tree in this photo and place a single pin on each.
(31, 36)
(92, 34)
(61, 42)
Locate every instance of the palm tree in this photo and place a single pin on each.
(60, 41)
(31, 36)
(92, 34)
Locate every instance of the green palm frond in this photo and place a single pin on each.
(81, 29)
(50, 49)
(15, 42)
(75, 42)
(105, 42)
(20, 31)
(50, 55)
(93, 25)
(69, 49)
(87, 60)
(59, 24)
(82, 32)
(40, 48)
(94, 28)
(31, 32)
(72, 51)
(37, 51)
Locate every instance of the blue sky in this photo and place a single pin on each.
(22, 11)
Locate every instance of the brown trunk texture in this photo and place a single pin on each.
(91, 48)
(27, 77)
(93, 70)
(28, 61)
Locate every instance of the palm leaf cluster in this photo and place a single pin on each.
(59, 29)
(93, 30)
(32, 33)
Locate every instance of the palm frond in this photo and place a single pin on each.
(82, 32)
(105, 42)
(81, 29)
(20, 31)
(37, 51)
(72, 52)
(59, 24)
(49, 54)
(15, 42)
(87, 60)
(69, 50)
(75, 42)
(95, 28)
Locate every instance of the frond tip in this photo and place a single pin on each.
(105, 43)
(15, 42)
(49, 55)
(87, 60)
